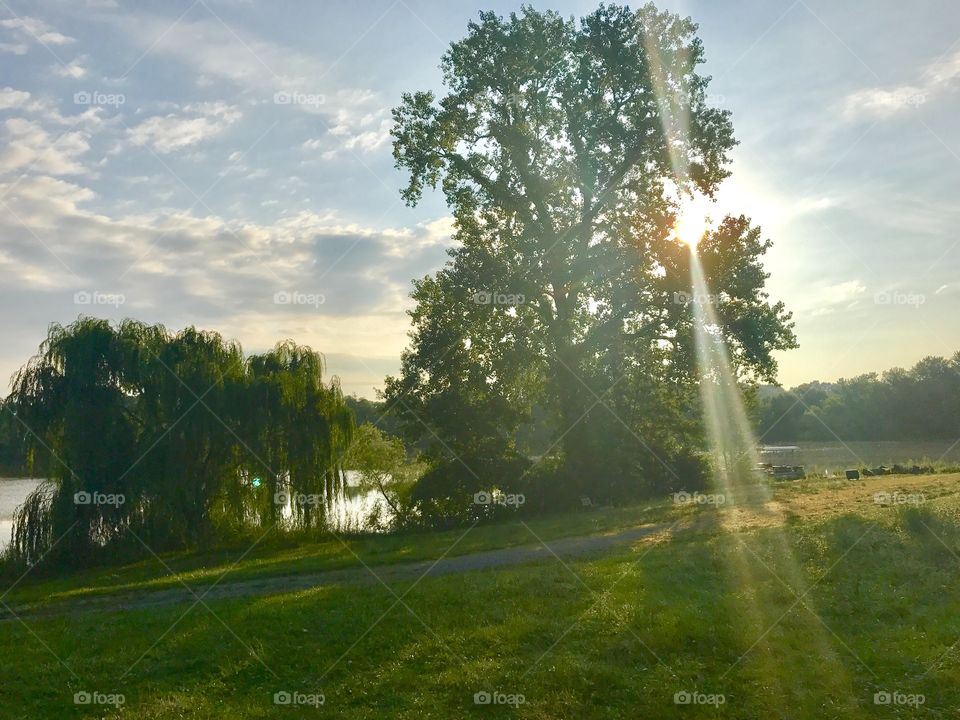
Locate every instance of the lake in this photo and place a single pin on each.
(349, 514)
(13, 491)
(820, 456)
(815, 457)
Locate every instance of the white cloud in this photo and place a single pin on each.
(10, 98)
(936, 79)
(827, 299)
(171, 132)
(27, 145)
(73, 70)
(14, 48)
(35, 29)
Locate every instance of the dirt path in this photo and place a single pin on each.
(563, 548)
(821, 504)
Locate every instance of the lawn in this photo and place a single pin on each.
(825, 605)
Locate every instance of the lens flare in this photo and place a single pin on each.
(692, 221)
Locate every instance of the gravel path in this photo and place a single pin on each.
(275, 584)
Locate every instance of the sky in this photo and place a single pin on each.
(226, 164)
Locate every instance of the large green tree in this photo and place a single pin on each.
(171, 440)
(562, 148)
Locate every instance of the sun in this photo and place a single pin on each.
(692, 221)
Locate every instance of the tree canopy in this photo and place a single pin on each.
(172, 440)
(919, 403)
(563, 148)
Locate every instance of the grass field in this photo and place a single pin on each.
(824, 604)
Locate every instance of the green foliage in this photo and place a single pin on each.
(561, 148)
(922, 403)
(381, 463)
(155, 439)
(460, 491)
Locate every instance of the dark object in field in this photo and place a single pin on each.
(853, 474)
(787, 472)
(877, 471)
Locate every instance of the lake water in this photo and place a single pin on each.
(13, 491)
(834, 456)
(815, 457)
(349, 514)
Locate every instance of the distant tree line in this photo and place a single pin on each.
(922, 403)
(170, 440)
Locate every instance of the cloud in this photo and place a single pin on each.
(171, 132)
(10, 98)
(213, 50)
(243, 279)
(173, 264)
(14, 48)
(937, 79)
(26, 145)
(29, 28)
(827, 299)
(73, 70)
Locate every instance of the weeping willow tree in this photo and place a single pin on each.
(171, 440)
(303, 427)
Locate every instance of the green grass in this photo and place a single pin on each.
(714, 611)
(271, 555)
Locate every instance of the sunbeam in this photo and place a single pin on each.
(746, 493)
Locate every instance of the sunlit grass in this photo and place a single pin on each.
(608, 637)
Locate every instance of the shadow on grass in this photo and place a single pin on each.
(705, 612)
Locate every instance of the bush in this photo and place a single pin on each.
(464, 490)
